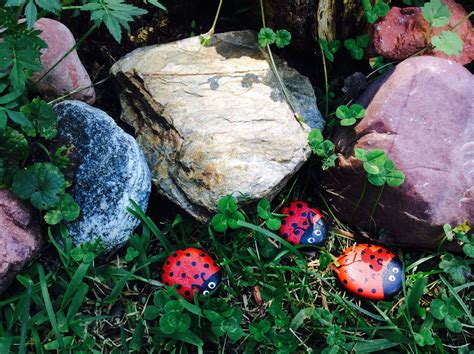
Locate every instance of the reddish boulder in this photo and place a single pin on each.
(401, 33)
(20, 237)
(69, 75)
(423, 117)
(404, 31)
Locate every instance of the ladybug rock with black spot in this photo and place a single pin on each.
(191, 270)
(370, 271)
(303, 225)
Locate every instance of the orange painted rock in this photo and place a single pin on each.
(303, 225)
(191, 270)
(370, 271)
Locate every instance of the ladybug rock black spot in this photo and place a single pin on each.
(191, 270)
(368, 271)
(303, 225)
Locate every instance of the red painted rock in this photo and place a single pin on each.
(422, 116)
(20, 237)
(191, 270)
(70, 74)
(303, 225)
(370, 271)
(404, 31)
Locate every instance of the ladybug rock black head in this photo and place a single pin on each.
(303, 225)
(370, 271)
(191, 270)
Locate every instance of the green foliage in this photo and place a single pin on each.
(350, 114)
(156, 3)
(228, 215)
(329, 49)
(357, 46)
(25, 123)
(414, 2)
(271, 220)
(115, 14)
(323, 148)
(66, 210)
(281, 38)
(455, 267)
(380, 169)
(31, 8)
(448, 42)
(43, 184)
(447, 309)
(42, 118)
(19, 56)
(437, 13)
(375, 10)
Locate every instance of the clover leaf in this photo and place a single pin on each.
(380, 169)
(350, 114)
(436, 13)
(228, 216)
(282, 38)
(323, 148)
(266, 36)
(67, 210)
(373, 12)
(271, 220)
(41, 183)
(330, 48)
(356, 46)
(132, 253)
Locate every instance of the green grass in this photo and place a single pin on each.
(273, 298)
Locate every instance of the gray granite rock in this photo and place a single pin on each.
(20, 236)
(422, 115)
(111, 171)
(213, 120)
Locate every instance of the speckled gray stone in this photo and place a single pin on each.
(112, 170)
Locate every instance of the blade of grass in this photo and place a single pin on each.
(24, 320)
(49, 307)
(139, 214)
(76, 302)
(74, 284)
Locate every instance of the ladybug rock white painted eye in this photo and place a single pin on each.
(318, 232)
(205, 292)
(212, 285)
(395, 270)
(391, 278)
(311, 240)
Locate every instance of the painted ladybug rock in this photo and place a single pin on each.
(191, 270)
(303, 225)
(370, 271)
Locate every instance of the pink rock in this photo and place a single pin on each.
(70, 74)
(404, 31)
(423, 117)
(20, 237)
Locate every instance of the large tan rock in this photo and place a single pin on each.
(423, 117)
(213, 120)
(20, 237)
